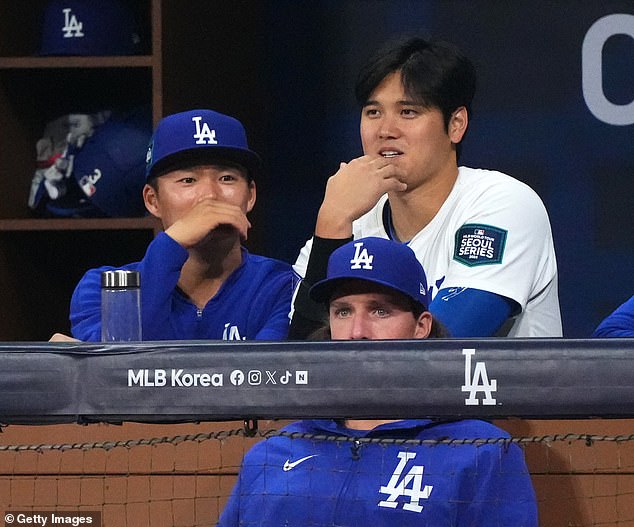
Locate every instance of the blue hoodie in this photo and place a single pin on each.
(302, 482)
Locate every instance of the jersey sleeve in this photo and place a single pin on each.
(230, 515)
(280, 292)
(301, 263)
(85, 307)
(471, 312)
(159, 271)
(503, 245)
(503, 493)
(245, 501)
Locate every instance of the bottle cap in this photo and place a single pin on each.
(120, 279)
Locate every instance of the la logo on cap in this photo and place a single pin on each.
(204, 135)
(362, 259)
(72, 27)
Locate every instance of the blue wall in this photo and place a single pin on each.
(530, 120)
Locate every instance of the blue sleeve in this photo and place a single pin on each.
(248, 499)
(281, 295)
(504, 493)
(230, 515)
(85, 307)
(159, 269)
(619, 324)
(472, 312)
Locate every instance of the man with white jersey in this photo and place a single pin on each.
(483, 237)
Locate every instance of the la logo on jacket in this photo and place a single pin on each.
(410, 485)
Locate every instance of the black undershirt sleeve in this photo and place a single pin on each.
(308, 315)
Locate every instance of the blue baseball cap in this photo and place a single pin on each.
(110, 167)
(196, 136)
(89, 28)
(376, 260)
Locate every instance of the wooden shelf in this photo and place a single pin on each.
(84, 224)
(136, 61)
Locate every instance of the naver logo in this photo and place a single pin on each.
(476, 380)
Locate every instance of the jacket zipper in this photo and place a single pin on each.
(355, 456)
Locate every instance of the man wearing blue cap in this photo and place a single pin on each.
(197, 280)
(376, 289)
(362, 472)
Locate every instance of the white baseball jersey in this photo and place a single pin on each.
(493, 234)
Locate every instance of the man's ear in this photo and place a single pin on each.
(458, 123)
(252, 196)
(150, 198)
(423, 325)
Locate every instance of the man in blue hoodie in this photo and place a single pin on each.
(197, 280)
(414, 472)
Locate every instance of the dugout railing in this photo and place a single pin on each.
(567, 402)
(218, 381)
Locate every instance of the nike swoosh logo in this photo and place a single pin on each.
(289, 466)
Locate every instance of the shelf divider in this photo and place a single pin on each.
(73, 224)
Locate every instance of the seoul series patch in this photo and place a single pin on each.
(479, 244)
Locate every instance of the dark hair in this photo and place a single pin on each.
(438, 329)
(321, 333)
(435, 74)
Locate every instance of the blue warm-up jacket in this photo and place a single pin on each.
(305, 481)
(253, 303)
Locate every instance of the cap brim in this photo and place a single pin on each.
(190, 157)
(323, 290)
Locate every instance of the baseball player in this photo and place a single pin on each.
(374, 290)
(619, 323)
(197, 280)
(483, 237)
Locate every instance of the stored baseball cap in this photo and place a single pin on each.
(110, 167)
(89, 28)
(376, 260)
(196, 136)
